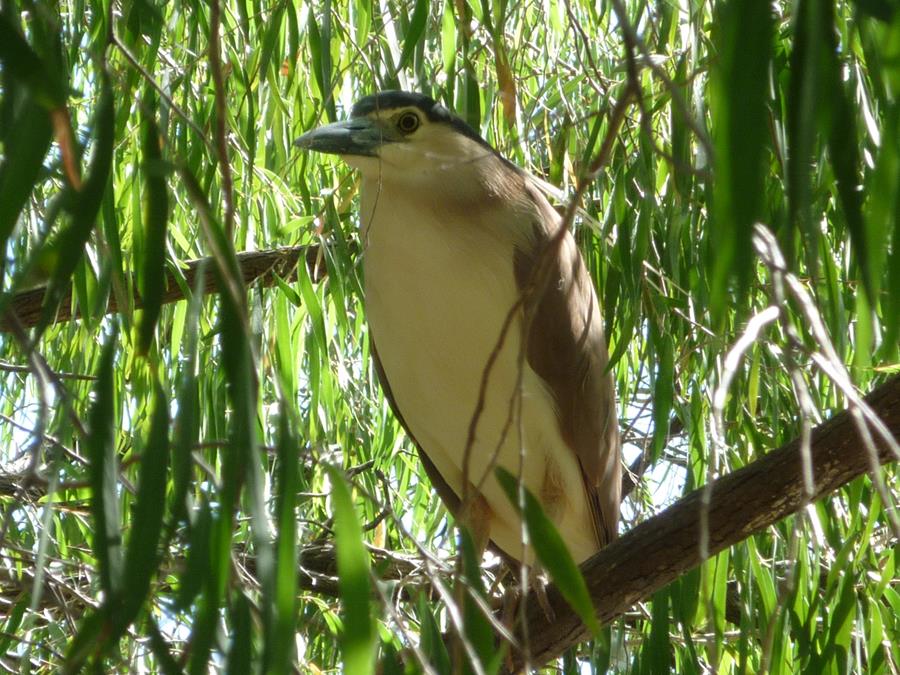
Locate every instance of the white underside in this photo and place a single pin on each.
(436, 297)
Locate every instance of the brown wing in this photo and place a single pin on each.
(567, 349)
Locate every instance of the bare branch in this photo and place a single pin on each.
(259, 266)
(742, 503)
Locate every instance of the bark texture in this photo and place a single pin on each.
(742, 503)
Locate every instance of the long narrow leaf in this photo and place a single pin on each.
(142, 557)
(104, 475)
(156, 206)
(282, 603)
(358, 634)
(414, 33)
(741, 137)
(86, 205)
(551, 550)
(26, 146)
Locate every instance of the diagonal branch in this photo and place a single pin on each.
(742, 503)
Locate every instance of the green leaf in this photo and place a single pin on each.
(840, 622)
(13, 621)
(282, 603)
(478, 629)
(27, 142)
(875, 638)
(142, 557)
(843, 150)
(240, 652)
(884, 10)
(104, 475)
(656, 654)
(448, 37)
(86, 641)
(720, 590)
(804, 111)
(551, 550)
(85, 207)
(432, 645)
(358, 635)
(892, 301)
(186, 426)
(272, 34)
(414, 32)
(685, 595)
(207, 613)
(472, 97)
(25, 66)
(195, 572)
(883, 220)
(319, 48)
(741, 136)
(162, 650)
(681, 140)
(363, 19)
(156, 207)
(663, 393)
(390, 662)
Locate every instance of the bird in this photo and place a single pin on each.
(481, 366)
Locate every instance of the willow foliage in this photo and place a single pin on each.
(217, 483)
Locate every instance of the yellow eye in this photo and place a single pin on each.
(408, 122)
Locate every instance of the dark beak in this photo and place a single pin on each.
(360, 136)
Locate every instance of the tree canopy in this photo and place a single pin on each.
(198, 470)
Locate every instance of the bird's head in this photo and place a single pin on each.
(401, 136)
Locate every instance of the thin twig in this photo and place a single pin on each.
(163, 94)
(13, 368)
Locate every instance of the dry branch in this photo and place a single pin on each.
(742, 503)
(255, 266)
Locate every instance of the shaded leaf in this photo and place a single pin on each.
(85, 206)
(142, 556)
(26, 146)
(104, 475)
(156, 204)
(741, 137)
(281, 633)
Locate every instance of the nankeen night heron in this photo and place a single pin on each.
(452, 233)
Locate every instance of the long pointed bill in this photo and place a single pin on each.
(361, 136)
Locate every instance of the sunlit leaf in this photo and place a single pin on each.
(551, 550)
(358, 634)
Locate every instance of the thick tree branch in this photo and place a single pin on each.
(742, 503)
(255, 266)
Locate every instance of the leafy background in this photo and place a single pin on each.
(175, 477)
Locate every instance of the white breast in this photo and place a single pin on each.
(438, 287)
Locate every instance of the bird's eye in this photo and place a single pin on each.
(408, 122)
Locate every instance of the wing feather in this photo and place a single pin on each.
(567, 349)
